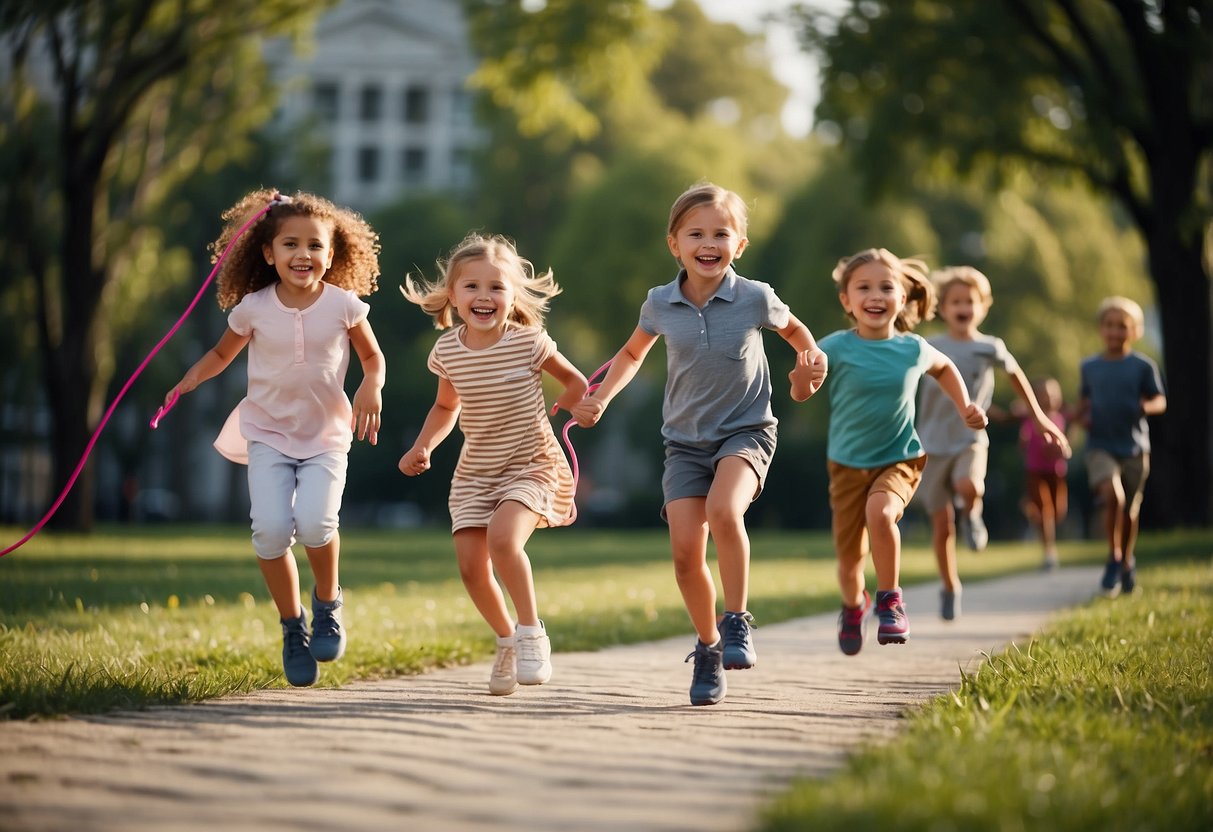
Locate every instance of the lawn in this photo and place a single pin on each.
(134, 616)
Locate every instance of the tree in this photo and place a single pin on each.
(112, 103)
(1118, 93)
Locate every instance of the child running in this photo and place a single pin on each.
(1120, 388)
(718, 428)
(1045, 468)
(295, 279)
(956, 454)
(511, 477)
(875, 457)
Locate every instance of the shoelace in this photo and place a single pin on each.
(737, 627)
(705, 666)
(503, 667)
(296, 640)
(325, 624)
(529, 649)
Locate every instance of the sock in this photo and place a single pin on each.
(529, 629)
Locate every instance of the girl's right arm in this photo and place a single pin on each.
(211, 364)
(438, 426)
(624, 365)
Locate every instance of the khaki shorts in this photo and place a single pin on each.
(943, 471)
(849, 492)
(1132, 471)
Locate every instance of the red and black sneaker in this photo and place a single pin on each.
(851, 625)
(894, 625)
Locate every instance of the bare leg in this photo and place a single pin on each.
(282, 579)
(883, 510)
(509, 529)
(689, 545)
(475, 568)
(1112, 495)
(323, 560)
(943, 540)
(732, 490)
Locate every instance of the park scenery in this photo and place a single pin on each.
(1061, 149)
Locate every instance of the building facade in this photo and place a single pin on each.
(386, 85)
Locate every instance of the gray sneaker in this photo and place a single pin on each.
(976, 534)
(949, 604)
(707, 679)
(328, 636)
(297, 663)
(734, 630)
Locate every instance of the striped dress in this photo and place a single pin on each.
(509, 450)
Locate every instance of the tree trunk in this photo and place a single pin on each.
(1180, 489)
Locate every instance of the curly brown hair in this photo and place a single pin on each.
(244, 270)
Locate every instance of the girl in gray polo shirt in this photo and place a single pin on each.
(718, 427)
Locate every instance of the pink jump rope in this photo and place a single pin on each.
(278, 199)
(163, 410)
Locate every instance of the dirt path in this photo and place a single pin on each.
(611, 743)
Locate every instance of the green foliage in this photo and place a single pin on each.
(1105, 721)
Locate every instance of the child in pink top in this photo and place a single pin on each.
(1045, 469)
(295, 279)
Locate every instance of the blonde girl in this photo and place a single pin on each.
(875, 459)
(512, 476)
(718, 427)
(293, 283)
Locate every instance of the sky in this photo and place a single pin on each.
(792, 65)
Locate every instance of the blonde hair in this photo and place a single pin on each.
(532, 290)
(946, 278)
(705, 193)
(355, 245)
(1126, 305)
(920, 292)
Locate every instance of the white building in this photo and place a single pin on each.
(386, 80)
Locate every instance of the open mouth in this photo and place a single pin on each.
(483, 313)
(708, 259)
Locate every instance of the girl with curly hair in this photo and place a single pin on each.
(293, 283)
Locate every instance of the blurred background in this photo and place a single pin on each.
(1062, 147)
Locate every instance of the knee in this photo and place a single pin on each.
(314, 532)
(883, 514)
(273, 540)
(723, 521)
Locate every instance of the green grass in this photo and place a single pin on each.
(130, 617)
(1104, 722)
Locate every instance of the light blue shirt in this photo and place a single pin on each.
(871, 390)
(718, 382)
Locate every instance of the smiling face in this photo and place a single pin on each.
(1119, 330)
(874, 296)
(707, 242)
(962, 309)
(301, 252)
(484, 299)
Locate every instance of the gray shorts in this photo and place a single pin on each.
(944, 470)
(1132, 471)
(689, 471)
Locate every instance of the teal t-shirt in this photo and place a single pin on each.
(871, 389)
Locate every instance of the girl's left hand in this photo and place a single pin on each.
(368, 405)
(975, 418)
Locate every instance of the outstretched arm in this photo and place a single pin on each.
(624, 365)
(214, 362)
(575, 385)
(944, 371)
(438, 426)
(809, 372)
(1052, 434)
(368, 400)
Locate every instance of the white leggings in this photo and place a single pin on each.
(293, 497)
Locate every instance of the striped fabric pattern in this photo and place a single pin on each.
(509, 451)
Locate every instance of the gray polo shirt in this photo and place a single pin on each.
(718, 382)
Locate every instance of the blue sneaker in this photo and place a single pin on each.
(707, 679)
(297, 662)
(894, 624)
(851, 625)
(1111, 577)
(738, 645)
(328, 636)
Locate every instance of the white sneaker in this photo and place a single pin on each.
(504, 679)
(534, 655)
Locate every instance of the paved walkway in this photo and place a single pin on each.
(610, 743)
